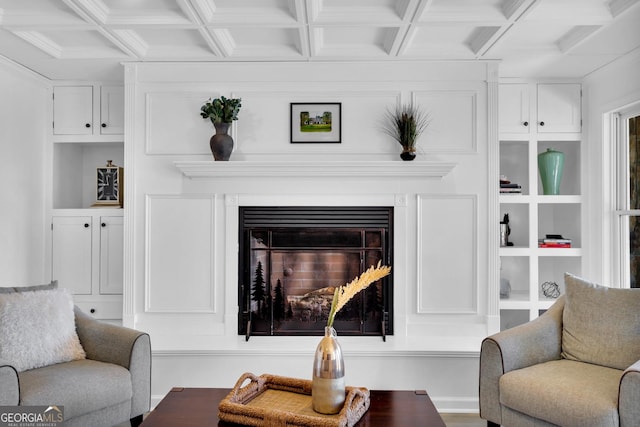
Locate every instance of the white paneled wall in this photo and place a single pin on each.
(183, 215)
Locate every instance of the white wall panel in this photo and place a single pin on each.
(447, 253)
(174, 124)
(180, 254)
(264, 122)
(452, 121)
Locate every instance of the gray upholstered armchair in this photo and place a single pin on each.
(577, 365)
(109, 386)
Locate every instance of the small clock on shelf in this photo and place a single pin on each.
(109, 183)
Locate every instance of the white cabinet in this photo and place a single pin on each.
(89, 110)
(86, 258)
(533, 215)
(112, 110)
(73, 110)
(88, 131)
(87, 242)
(514, 109)
(559, 107)
(111, 244)
(72, 253)
(540, 108)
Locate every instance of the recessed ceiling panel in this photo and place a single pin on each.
(584, 12)
(165, 44)
(262, 12)
(487, 11)
(441, 41)
(265, 42)
(529, 36)
(357, 11)
(72, 43)
(32, 13)
(143, 12)
(353, 41)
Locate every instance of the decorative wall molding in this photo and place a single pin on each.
(443, 285)
(179, 261)
(453, 116)
(318, 168)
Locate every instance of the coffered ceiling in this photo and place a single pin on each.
(89, 39)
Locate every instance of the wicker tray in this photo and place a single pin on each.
(273, 401)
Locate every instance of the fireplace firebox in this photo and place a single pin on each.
(292, 258)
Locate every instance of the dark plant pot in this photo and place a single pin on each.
(408, 155)
(221, 143)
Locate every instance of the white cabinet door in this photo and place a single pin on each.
(559, 107)
(111, 244)
(73, 110)
(71, 253)
(514, 110)
(111, 110)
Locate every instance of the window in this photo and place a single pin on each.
(628, 197)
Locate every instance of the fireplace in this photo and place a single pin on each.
(292, 258)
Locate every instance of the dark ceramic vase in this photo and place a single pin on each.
(407, 155)
(221, 143)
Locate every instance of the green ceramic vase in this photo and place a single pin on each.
(550, 165)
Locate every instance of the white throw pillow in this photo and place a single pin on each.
(38, 328)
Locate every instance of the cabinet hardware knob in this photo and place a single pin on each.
(87, 125)
(541, 123)
(86, 225)
(526, 123)
(104, 125)
(103, 224)
(93, 310)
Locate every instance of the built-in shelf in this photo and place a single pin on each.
(414, 169)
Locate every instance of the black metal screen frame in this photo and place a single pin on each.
(253, 218)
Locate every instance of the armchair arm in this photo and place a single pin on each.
(525, 345)
(9, 384)
(122, 346)
(629, 396)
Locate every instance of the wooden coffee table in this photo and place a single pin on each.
(198, 407)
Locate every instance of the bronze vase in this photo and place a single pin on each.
(221, 143)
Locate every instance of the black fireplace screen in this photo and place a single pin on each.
(292, 258)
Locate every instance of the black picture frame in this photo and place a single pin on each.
(316, 122)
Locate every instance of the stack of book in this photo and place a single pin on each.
(508, 187)
(554, 241)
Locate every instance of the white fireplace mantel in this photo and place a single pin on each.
(334, 168)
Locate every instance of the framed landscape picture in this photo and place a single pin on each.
(319, 122)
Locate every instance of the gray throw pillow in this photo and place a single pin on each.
(48, 286)
(601, 325)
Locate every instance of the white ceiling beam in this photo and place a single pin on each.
(90, 10)
(516, 9)
(316, 41)
(482, 38)
(133, 42)
(41, 41)
(211, 42)
(620, 6)
(204, 9)
(224, 40)
(513, 10)
(576, 36)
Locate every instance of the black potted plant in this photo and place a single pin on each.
(405, 124)
(221, 111)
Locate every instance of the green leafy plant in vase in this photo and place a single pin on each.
(405, 124)
(221, 111)
(328, 386)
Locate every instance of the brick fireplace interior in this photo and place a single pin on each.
(292, 258)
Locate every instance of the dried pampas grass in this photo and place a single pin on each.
(344, 293)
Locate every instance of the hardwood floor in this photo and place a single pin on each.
(463, 420)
